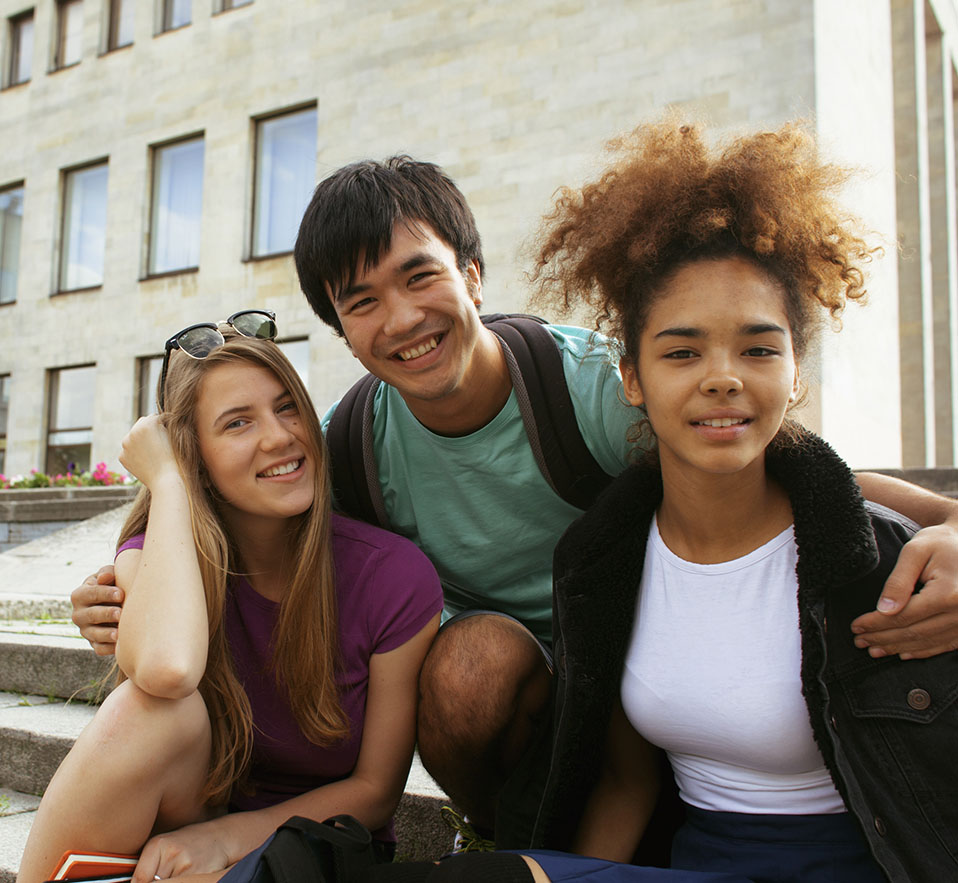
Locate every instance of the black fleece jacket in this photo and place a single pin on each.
(886, 728)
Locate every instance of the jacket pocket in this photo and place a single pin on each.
(920, 691)
(895, 723)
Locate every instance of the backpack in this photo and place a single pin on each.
(535, 367)
(305, 851)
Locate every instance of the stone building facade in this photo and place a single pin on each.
(154, 154)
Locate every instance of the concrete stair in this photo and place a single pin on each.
(48, 674)
(48, 681)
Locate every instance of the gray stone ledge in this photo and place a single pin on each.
(61, 503)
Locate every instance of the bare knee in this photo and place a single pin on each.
(482, 687)
(131, 717)
(484, 661)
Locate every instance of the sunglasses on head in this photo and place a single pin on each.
(199, 340)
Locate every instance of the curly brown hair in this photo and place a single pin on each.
(668, 199)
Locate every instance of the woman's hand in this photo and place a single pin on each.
(146, 452)
(194, 849)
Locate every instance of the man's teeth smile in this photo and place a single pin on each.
(723, 421)
(421, 350)
(285, 469)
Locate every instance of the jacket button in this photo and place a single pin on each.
(880, 826)
(919, 699)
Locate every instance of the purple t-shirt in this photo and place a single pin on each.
(387, 591)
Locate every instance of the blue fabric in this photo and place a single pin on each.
(562, 866)
(775, 848)
(249, 869)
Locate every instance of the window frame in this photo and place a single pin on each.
(282, 343)
(53, 393)
(4, 417)
(58, 62)
(15, 41)
(150, 272)
(145, 391)
(8, 188)
(229, 5)
(164, 17)
(61, 287)
(114, 17)
(256, 195)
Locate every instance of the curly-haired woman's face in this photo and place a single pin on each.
(716, 370)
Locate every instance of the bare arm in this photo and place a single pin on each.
(371, 792)
(925, 507)
(622, 802)
(165, 637)
(925, 624)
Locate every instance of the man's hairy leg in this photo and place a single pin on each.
(484, 686)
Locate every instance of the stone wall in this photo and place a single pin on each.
(35, 512)
(514, 99)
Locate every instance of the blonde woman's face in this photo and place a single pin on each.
(716, 370)
(254, 443)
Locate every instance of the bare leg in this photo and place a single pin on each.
(483, 687)
(537, 873)
(137, 769)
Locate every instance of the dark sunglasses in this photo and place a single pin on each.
(199, 340)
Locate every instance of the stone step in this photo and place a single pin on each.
(421, 834)
(16, 816)
(36, 734)
(26, 606)
(37, 731)
(35, 659)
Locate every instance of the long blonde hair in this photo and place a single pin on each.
(306, 638)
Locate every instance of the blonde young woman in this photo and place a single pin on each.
(270, 648)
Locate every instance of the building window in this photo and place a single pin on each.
(297, 351)
(70, 419)
(232, 4)
(147, 377)
(11, 220)
(177, 203)
(21, 48)
(285, 177)
(84, 228)
(175, 14)
(69, 32)
(4, 411)
(121, 24)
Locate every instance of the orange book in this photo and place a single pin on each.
(102, 866)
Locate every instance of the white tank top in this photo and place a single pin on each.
(712, 676)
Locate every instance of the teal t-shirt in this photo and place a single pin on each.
(478, 505)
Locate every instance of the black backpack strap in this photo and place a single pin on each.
(535, 366)
(349, 439)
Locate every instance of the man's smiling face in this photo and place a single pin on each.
(412, 319)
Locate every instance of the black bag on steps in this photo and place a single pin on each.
(304, 851)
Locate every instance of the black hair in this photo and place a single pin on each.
(353, 213)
